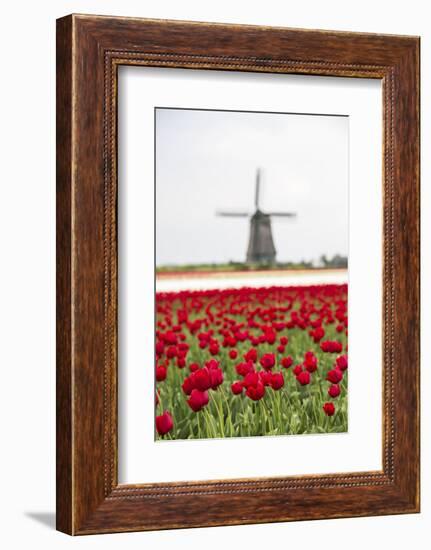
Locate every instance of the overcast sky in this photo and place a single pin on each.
(207, 160)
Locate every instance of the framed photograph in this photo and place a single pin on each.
(237, 274)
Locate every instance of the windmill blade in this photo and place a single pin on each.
(233, 214)
(257, 191)
(282, 214)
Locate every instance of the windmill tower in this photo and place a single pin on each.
(261, 249)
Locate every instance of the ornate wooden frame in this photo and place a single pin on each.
(89, 51)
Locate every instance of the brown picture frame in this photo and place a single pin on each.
(89, 51)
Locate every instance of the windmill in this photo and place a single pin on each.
(261, 249)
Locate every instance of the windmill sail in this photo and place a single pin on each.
(282, 214)
(257, 190)
(233, 214)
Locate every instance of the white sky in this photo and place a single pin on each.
(207, 160)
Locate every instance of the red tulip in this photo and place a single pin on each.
(334, 390)
(236, 388)
(251, 379)
(160, 373)
(214, 349)
(297, 370)
(284, 340)
(267, 361)
(182, 316)
(183, 347)
(193, 367)
(171, 352)
(270, 337)
(265, 377)
(251, 355)
(334, 376)
(216, 378)
(198, 400)
(331, 346)
(303, 378)
(287, 362)
(170, 337)
(317, 334)
(201, 379)
(310, 362)
(277, 381)
(329, 409)
(233, 354)
(160, 346)
(342, 362)
(256, 392)
(243, 368)
(212, 364)
(164, 423)
(188, 385)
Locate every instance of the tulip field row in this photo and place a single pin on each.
(251, 362)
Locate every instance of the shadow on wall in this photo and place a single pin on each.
(45, 518)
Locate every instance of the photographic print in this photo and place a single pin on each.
(224, 218)
(251, 234)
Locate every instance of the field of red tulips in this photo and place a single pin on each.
(251, 362)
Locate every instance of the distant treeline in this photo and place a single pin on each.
(336, 262)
